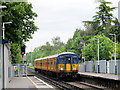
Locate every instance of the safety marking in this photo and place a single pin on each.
(33, 82)
(43, 82)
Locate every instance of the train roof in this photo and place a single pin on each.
(56, 55)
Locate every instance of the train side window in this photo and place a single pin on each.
(54, 61)
(51, 61)
(74, 60)
(62, 60)
(48, 61)
(68, 60)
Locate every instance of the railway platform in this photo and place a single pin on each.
(101, 75)
(29, 82)
(107, 80)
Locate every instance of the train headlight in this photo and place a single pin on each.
(61, 68)
(74, 68)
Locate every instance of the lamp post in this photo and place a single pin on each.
(84, 48)
(4, 28)
(31, 55)
(4, 56)
(2, 7)
(98, 55)
(84, 57)
(115, 53)
(3, 73)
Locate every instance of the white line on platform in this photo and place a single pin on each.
(43, 82)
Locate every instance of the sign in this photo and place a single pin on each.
(113, 54)
(80, 65)
(15, 67)
(83, 57)
(22, 66)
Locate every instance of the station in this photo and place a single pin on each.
(53, 67)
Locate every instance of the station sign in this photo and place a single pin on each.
(22, 66)
(113, 54)
(14, 68)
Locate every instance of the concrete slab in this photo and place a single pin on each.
(107, 76)
(20, 82)
(29, 83)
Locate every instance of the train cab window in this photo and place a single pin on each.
(62, 60)
(74, 60)
(68, 59)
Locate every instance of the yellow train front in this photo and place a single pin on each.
(67, 65)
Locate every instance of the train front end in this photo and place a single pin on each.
(68, 64)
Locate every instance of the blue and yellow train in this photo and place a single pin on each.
(58, 65)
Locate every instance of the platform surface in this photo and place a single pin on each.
(21, 82)
(28, 82)
(106, 76)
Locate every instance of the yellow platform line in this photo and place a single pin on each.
(33, 83)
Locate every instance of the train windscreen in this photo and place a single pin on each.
(74, 61)
(62, 60)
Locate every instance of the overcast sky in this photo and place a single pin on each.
(61, 18)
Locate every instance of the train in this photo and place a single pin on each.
(58, 65)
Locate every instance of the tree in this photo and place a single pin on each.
(73, 44)
(57, 43)
(103, 18)
(106, 48)
(22, 27)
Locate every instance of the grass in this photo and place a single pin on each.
(31, 67)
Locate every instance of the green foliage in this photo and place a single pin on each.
(73, 44)
(103, 19)
(30, 67)
(22, 27)
(16, 53)
(106, 48)
(21, 16)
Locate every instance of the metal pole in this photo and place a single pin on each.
(3, 69)
(18, 70)
(115, 57)
(26, 69)
(3, 30)
(98, 58)
(23, 65)
(84, 59)
(31, 55)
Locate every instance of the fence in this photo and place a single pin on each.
(105, 66)
(17, 70)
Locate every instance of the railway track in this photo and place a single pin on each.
(66, 85)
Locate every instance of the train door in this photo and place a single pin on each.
(68, 63)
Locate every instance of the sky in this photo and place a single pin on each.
(61, 18)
